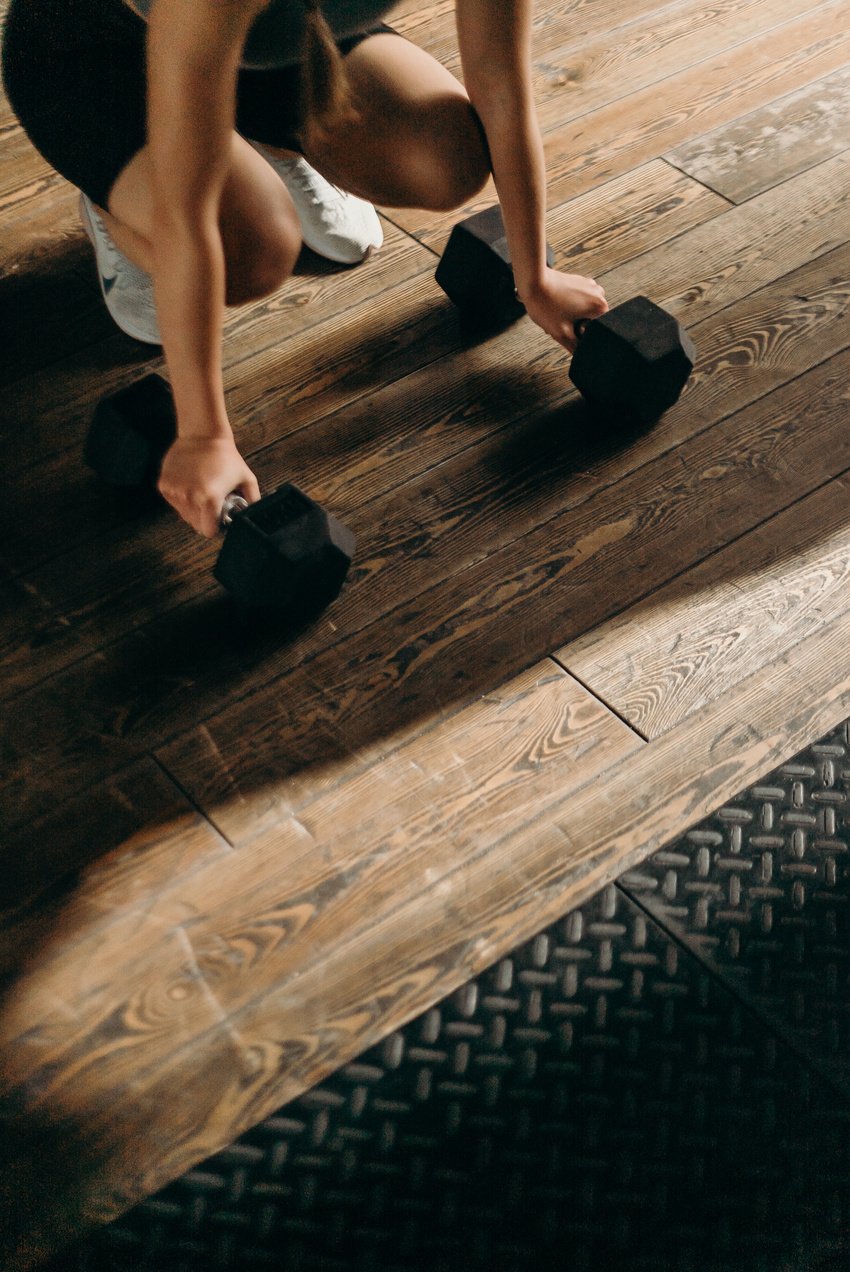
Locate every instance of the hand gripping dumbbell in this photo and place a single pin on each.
(283, 554)
(630, 364)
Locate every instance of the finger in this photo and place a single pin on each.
(250, 488)
(175, 501)
(188, 513)
(203, 514)
(569, 338)
(208, 522)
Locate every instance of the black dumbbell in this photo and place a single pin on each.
(630, 365)
(475, 270)
(284, 554)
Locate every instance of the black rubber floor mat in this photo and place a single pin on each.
(760, 892)
(597, 1100)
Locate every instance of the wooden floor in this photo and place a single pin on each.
(231, 862)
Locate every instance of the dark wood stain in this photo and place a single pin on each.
(234, 856)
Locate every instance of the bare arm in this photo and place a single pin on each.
(194, 49)
(495, 46)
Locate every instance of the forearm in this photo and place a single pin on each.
(495, 45)
(188, 274)
(194, 48)
(516, 155)
(203, 465)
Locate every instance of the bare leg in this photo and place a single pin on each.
(259, 226)
(417, 142)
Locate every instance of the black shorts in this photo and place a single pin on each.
(74, 72)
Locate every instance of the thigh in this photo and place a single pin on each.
(260, 230)
(417, 141)
(268, 101)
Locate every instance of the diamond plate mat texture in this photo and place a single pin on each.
(760, 892)
(656, 1082)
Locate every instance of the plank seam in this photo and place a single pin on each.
(730, 203)
(189, 798)
(791, 177)
(785, 1038)
(597, 697)
(365, 505)
(838, 478)
(545, 899)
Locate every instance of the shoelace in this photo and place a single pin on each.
(305, 178)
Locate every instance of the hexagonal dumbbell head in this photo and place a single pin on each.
(633, 362)
(130, 432)
(475, 270)
(285, 554)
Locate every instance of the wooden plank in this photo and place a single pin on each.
(92, 596)
(700, 271)
(576, 569)
(23, 172)
(325, 760)
(657, 117)
(510, 750)
(56, 327)
(725, 619)
(24, 175)
(49, 412)
(624, 218)
(318, 294)
(781, 140)
(575, 72)
(449, 553)
(25, 230)
(46, 605)
(651, 205)
(137, 946)
(588, 18)
(711, 267)
(136, 827)
(396, 960)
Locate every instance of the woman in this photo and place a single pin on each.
(151, 106)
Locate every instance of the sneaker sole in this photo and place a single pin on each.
(144, 337)
(337, 259)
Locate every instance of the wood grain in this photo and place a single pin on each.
(592, 148)
(654, 536)
(712, 267)
(79, 599)
(144, 828)
(784, 138)
(172, 953)
(232, 859)
(495, 530)
(407, 955)
(267, 401)
(735, 613)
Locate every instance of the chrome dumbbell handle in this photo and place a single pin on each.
(233, 503)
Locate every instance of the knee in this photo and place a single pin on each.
(260, 258)
(463, 160)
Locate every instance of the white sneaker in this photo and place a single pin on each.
(127, 290)
(336, 225)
